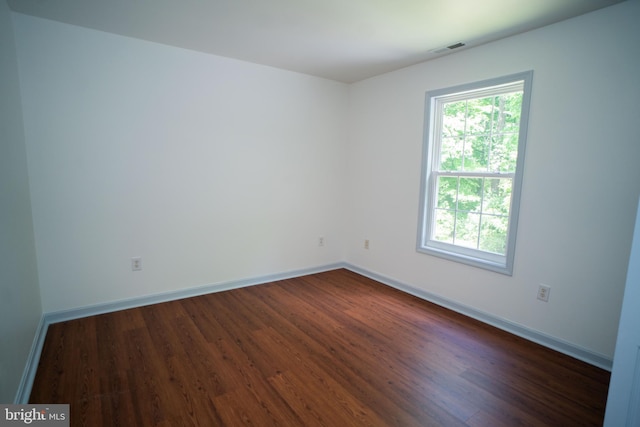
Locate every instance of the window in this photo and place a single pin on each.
(472, 171)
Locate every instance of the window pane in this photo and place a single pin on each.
(444, 222)
(451, 154)
(493, 234)
(470, 194)
(453, 119)
(467, 228)
(479, 112)
(504, 153)
(509, 108)
(476, 153)
(447, 192)
(497, 196)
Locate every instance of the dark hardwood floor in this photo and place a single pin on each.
(331, 349)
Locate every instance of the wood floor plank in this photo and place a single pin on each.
(329, 349)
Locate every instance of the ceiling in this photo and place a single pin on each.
(343, 40)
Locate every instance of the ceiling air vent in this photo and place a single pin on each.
(448, 48)
(455, 46)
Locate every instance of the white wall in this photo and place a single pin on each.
(20, 308)
(210, 169)
(581, 178)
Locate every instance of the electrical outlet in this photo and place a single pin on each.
(543, 292)
(136, 263)
(366, 244)
(320, 241)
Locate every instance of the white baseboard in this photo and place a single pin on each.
(553, 343)
(29, 373)
(26, 383)
(92, 310)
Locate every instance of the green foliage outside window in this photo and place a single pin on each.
(477, 135)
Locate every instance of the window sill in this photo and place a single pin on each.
(498, 267)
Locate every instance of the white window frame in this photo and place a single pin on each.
(430, 164)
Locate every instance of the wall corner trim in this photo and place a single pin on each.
(545, 340)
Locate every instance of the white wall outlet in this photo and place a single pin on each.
(366, 244)
(320, 241)
(543, 292)
(136, 263)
